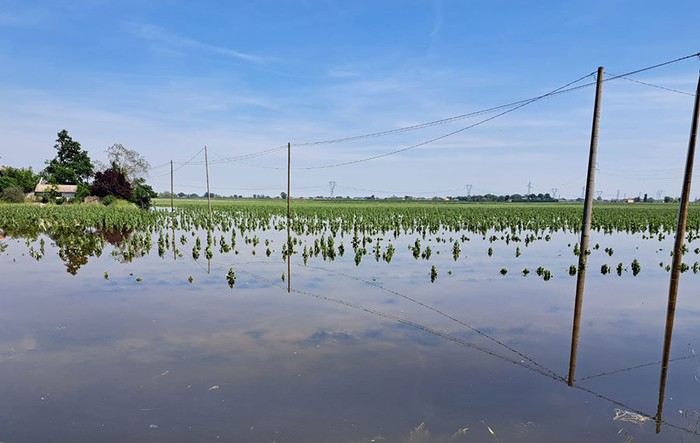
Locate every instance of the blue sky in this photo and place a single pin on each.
(168, 77)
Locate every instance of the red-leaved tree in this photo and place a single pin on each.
(111, 182)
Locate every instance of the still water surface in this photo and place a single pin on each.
(374, 352)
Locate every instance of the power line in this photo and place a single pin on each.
(649, 68)
(374, 191)
(510, 107)
(182, 165)
(449, 134)
(656, 86)
(237, 188)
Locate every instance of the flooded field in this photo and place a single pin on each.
(404, 323)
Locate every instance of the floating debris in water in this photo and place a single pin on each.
(167, 371)
(630, 417)
(490, 431)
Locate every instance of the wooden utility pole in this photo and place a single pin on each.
(289, 218)
(289, 179)
(171, 186)
(206, 168)
(585, 228)
(172, 222)
(678, 255)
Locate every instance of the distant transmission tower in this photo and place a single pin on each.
(469, 190)
(554, 192)
(331, 184)
(529, 188)
(659, 193)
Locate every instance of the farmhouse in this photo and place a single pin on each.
(66, 191)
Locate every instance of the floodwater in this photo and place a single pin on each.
(368, 353)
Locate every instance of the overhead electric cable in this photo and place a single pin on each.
(449, 134)
(514, 105)
(182, 165)
(655, 86)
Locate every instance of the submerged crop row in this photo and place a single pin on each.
(359, 231)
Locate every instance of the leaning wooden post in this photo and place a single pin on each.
(289, 218)
(678, 256)
(585, 228)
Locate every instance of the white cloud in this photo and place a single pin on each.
(174, 42)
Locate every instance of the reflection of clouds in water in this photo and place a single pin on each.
(16, 349)
(276, 353)
(326, 337)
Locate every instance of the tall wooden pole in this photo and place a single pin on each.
(171, 186)
(289, 218)
(585, 228)
(678, 256)
(206, 168)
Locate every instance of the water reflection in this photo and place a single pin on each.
(76, 246)
(363, 353)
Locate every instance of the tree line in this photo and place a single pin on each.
(123, 177)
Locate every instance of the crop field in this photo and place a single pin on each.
(352, 321)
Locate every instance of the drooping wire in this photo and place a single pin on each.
(375, 191)
(658, 65)
(457, 131)
(242, 156)
(515, 104)
(182, 165)
(651, 85)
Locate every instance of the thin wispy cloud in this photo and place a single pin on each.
(174, 42)
(437, 24)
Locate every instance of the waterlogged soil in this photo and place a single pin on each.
(162, 349)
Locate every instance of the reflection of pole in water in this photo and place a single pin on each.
(174, 247)
(289, 260)
(171, 186)
(678, 257)
(585, 228)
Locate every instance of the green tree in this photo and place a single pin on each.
(26, 179)
(13, 194)
(142, 194)
(72, 165)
